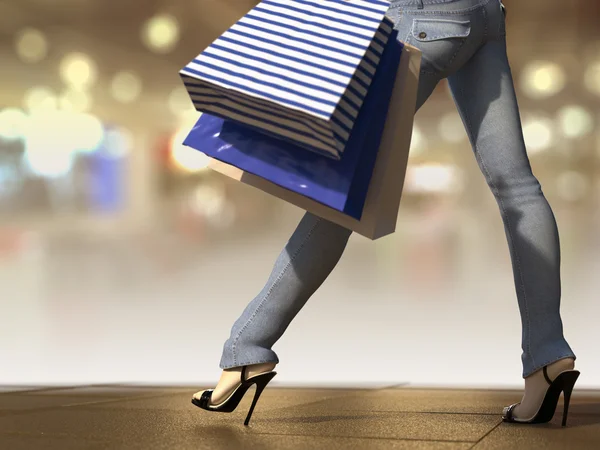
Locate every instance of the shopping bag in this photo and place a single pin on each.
(341, 185)
(380, 211)
(296, 69)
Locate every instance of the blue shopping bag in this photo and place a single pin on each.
(341, 185)
(295, 69)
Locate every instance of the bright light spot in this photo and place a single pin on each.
(87, 132)
(75, 101)
(538, 134)
(592, 78)
(126, 87)
(208, 200)
(572, 185)
(118, 142)
(161, 33)
(225, 217)
(432, 178)
(78, 70)
(54, 137)
(542, 79)
(40, 98)
(185, 158)
(13, 124)
(31, 45)
(47, 150)
(575, 121)
(417, 143)
(180, 102)
(452, 129)
(44, 164)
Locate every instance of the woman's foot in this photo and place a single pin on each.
(231, 378)
(536, 387)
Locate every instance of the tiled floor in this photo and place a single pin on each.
(130, 417)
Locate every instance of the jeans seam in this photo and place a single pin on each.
(275, 283)
(438, 12)
(503, 209)
(485, 22)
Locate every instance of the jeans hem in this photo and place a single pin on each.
(267, 295)
(552, 361)
(231, 366)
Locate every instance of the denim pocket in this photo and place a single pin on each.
(439, 40)
(426, 30)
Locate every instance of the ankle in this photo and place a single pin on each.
(553, 369)
(255, 369)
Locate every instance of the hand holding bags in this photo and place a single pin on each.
(299, 70)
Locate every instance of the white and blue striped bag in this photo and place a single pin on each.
(296, 69)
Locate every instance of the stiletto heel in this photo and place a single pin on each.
(260, 386)
(569, 383)
(231, 402)
(564, 383)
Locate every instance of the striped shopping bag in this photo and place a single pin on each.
(295, 69)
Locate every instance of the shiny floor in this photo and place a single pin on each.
(432, 305)
(395, 417)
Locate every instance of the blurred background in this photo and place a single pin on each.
(123, 259)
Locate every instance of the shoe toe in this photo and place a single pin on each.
(507, 413)
(198, 395)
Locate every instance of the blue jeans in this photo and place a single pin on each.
(463, 41)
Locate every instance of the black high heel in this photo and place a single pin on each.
(564, 382)
(229, 404)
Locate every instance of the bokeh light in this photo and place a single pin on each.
(542, 79)
(126, 87)
(31, 45)
(56, 136)
(434, 178)
(161, 33)
(186, 159)
(40, 98)
(47, 152)
(75, 100)
(208, 200)
(591, 78)
(575, 121)
(118, 142)
(78, 70)
(89, 132)
(225, 217)
(538, 134)
(13, 124)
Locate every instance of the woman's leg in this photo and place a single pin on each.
(484, 94)
(306, 261)
(308, 258)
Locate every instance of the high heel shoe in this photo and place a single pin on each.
(231, 402)
(564, 382)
